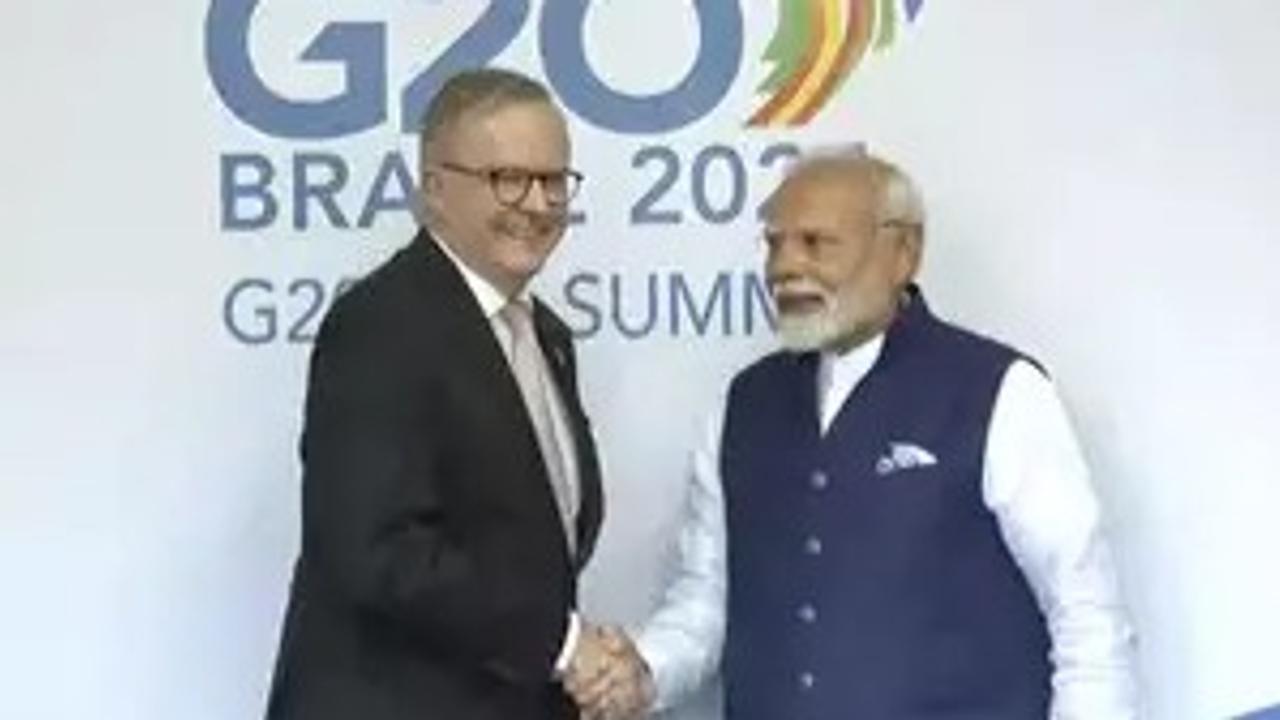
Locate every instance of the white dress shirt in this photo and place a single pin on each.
(1036, 484)
(491, 302)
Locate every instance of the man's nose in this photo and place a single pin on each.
(783, 259)
(536, 199)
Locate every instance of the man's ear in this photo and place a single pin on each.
(427, 198)
(910, 253)
(429, 181)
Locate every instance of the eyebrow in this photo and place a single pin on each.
(810, 230)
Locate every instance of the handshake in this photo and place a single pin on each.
(607, 678)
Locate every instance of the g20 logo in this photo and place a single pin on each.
(816, 46)
(361, 47)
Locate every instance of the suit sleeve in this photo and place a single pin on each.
(376, 526)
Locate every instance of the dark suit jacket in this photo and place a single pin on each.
(434, 581)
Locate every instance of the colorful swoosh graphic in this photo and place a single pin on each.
(816, 46)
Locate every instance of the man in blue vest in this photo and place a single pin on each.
(891, 518)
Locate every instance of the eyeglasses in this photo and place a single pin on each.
(897, 224)
(510, 185)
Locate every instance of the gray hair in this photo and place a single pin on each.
(481, 90)
(900, 199)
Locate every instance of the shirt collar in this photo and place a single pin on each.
(842, 372)
(490, 299)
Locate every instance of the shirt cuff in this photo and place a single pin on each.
(650, 647)
(570, 645)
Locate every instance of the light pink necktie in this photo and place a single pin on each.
(529, 366)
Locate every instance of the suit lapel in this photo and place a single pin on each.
(559, 354)
(472, 339)
(465, 321)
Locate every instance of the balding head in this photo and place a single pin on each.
(896, 197)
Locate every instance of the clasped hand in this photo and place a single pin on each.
(607, 678)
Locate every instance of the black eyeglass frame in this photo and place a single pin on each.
(502, 179)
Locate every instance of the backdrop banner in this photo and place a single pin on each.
(190, 184)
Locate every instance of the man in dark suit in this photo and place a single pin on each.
(451, 490)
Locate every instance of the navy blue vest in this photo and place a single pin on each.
(867, 579)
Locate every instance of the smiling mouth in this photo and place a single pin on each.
(793, 303)
(524, 234)
(526, 229)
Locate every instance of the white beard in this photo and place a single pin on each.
(820, 330)
(807, 332)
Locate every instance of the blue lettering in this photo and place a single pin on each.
(585, 307)
(490, 35)
(360, 47)
(563, 46)
(264, 330)
(392, 172)
(738, 184)
(682, 300)
(758, 296)
(323, 192)
(234, 189)
(651, 319)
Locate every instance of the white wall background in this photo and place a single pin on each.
(1099, 176)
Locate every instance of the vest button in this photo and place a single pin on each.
(818, 480)
(813, 545)
(807, 680)
(807, 613)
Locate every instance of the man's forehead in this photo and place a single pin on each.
(537, 123)
(833, 176)
(819, 198)
(801, 223)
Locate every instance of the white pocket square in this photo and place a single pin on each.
(902, 456)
